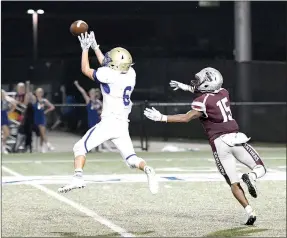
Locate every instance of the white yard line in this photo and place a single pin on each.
(133, 178)
(89, 160)
(274, 170)
(20, 161)
(71, 161)
(75, 205)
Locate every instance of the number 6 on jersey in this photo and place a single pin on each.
(126, 95)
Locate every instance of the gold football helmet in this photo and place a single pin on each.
(118, 59)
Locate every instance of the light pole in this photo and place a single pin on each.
(35, 29)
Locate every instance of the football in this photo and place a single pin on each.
(78, 27)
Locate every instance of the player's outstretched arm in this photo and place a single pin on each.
(155, 115)
(103, 74)
(12, 101)
(83, 92)
(85, 64)
(177, 85)
(96, 48)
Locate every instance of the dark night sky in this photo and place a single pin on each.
(161, 28)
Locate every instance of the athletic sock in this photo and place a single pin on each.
(78, 173)
(147, 169)
(248, 209)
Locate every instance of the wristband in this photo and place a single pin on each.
(164, 118)
(97, 47)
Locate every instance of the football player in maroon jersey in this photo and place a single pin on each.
(212, 107)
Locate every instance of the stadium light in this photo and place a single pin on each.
(40, 11)
(30, 11)
(35, 29)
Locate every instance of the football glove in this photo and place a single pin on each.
(177, 85)
(94, 44)
(154, 115)
(85, 41)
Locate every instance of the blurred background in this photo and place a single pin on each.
(245, 41)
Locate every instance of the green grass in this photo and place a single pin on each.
(205, 209)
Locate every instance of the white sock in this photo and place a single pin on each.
(78, 173)
(248, 209)
(147, 169)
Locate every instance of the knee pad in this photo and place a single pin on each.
(134, 161)
(79, 149)
(259, 170)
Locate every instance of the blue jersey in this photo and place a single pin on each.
(4, 112)
(39, 116)
(93, 108)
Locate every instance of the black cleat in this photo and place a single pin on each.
(250, 185)
(251, 220)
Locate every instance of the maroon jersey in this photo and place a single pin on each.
(217, 117)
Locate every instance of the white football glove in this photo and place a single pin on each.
(85, 41)
(154, 115)
(94, 44)
(176, 85)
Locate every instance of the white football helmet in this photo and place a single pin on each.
(207, 80)
(118, 59)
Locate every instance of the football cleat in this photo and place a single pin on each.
(250, 182)
(50, 147)
(251, 219)
(5, 151)
(76, 183)
(152, 179)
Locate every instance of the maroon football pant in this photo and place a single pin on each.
(226, 156)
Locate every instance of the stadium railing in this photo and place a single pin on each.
(263, 121)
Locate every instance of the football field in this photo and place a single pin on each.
(193, 199)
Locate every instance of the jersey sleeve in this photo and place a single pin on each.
(104, 75)
(199, 104)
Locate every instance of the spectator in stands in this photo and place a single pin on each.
(23, 97)
(94, 109)
(26, 128)
(94, 105)
(23, 93)
(6, 106)
(39, 105)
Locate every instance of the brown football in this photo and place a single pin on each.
(78, 27)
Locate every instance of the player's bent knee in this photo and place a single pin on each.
(79, 149)
(134, 161)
